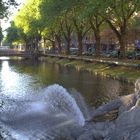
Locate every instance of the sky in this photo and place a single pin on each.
(5, 23)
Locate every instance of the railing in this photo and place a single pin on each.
(14, 52)
(10, 52)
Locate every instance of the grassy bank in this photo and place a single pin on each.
(127, 74)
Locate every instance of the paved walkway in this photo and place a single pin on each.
(114, 61)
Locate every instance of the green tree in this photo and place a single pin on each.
(67, 29)
(118, 15)
(81, 28)
(32, 25)
(57, 22)
(92, 12)
(13, 34)
(68, 13)
(4, 6)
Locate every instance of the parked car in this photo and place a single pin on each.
(130, 55)
(87, 53)
(137, 55)
(133, 55)
(113, 54)
(105, 54)
(73, 50)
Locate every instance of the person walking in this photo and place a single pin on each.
(119, 53)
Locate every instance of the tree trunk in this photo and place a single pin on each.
(26, 46)
(122, 42)
(59, 43)
(121, 35)
(68, 39)
(80, 44)
(32, 46)
(68, 46)
(98, 42)
(95, 25)
(44, 40)
(53, 47)
(36, 42)
(79, 30)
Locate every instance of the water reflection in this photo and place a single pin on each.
(14, 84)
(4, 58)
(9, 78)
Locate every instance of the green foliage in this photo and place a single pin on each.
(13, 34)
(53, 18)
(136, 23)
(118, 12)
(4, 6)
(28, 18)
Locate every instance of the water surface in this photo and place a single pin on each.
(20, 78)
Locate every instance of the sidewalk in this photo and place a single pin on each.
(111, 61)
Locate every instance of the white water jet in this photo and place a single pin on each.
(53, 112)
(59, 100)
(80, 102)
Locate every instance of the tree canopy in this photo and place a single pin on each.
(61, 21)
(4, 6)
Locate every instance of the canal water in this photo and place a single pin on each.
(31, 105)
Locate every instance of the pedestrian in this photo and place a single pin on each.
(119, 53)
